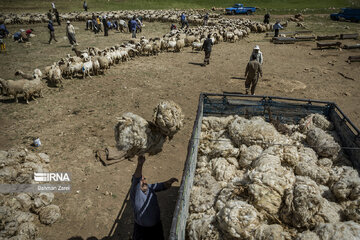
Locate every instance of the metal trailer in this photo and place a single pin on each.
(286, 110)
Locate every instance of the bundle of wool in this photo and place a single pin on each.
(268, 182)
(315, 120)
(255, 131)
(223, 170)
(271, 232)
(340, 230)
(168, 117)
(352, 211)
(307, 235)
(304, 207)
(201, 227)
(323, 143)
(248, 154)
(346, 185)
(136, 136)
(238, 219)
(215, 123)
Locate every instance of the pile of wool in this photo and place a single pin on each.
(271, 232)
(268, 181)
(340, 230)
(203, 194)
(254, 131)
(168, 117)
(238, 219)
(136, 136)
(309, 165)
(304, 207)
(203, 226)
(271, 184)
(322, 142)
(315, 120)
(345, 183)
(18, 211)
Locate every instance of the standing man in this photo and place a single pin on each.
(143, 198)
(184, 21)
(133, 26)
(257, 55)
(277, 26)
(106, 26)
(85, 6)
(252, 72)
(52, 32)
(70, 33)
(57, 17)
(206, 19)
(207, 45)
(267, 18)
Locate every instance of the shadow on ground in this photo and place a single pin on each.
(122, 227)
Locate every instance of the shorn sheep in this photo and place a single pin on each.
(254, 182)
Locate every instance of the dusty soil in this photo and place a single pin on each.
(75, 121)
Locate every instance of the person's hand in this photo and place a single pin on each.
(141, 159)
(169, 182)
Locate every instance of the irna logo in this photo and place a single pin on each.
(51, 177)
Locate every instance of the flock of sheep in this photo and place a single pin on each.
(94, 61)
(256, 180)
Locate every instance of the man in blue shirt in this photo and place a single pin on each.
(184, 21)
(277, 26)
(52, 32)
(133, 26)
(143, 198)
(3, 30)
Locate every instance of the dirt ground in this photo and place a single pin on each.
(75, 121)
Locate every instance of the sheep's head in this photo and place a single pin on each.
(18, 72)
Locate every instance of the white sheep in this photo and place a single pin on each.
(87, 67)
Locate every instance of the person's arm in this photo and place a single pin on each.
(157, 187)
(247, 70)
(260, 70)
(138, 170)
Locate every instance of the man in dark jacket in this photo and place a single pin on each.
(207, 45)
(267, 18)
(49, 15)
(252, 72)
(52, 32)
(106, 26)
(146, 208)
(57, 17)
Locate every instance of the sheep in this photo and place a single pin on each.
(32, 88)
(147, 48)
(171, 44)
(104, 63)
(55, 76)
(96, 65)
(74, 68)
(87, 67)
(197, 46)
(180, 44)
(13, 88)
(24, 75)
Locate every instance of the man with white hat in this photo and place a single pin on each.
(70, 33)
(257, 55)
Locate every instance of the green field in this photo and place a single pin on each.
(275, 6)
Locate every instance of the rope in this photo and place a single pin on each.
(272, 144)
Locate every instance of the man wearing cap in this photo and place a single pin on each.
(277, 26)
(70, 33)
(52, 32)
(252, 72)
(257, 55)
(144, 201)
